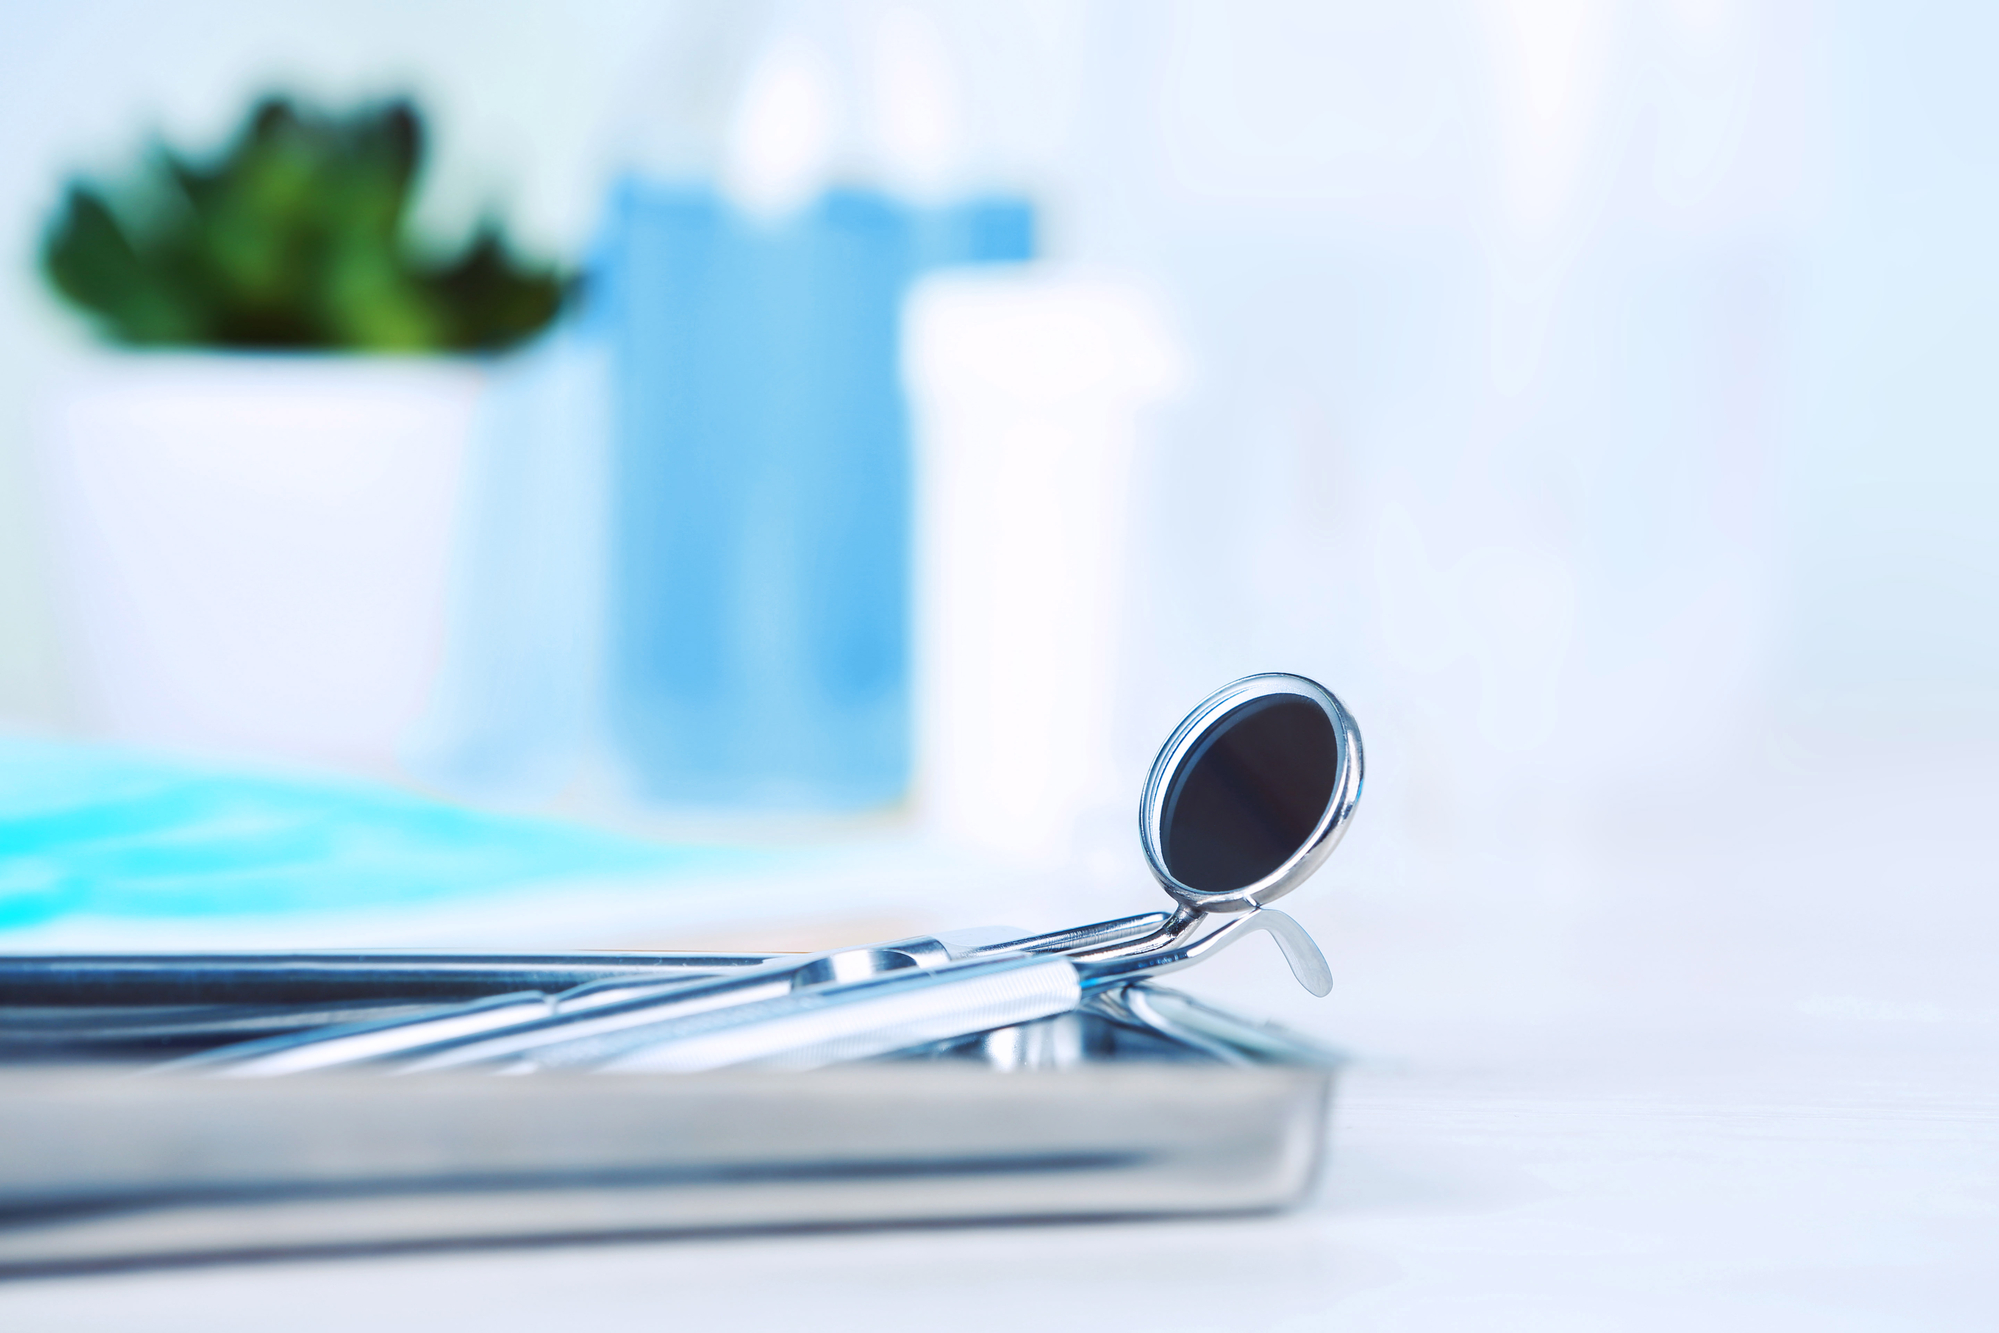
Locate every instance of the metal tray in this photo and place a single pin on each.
(1152, 1103)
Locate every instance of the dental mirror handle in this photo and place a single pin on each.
(1188, 947)
(1079, 938)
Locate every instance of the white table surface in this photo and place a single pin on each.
(1654, 1070)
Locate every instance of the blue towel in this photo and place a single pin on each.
(110, 834)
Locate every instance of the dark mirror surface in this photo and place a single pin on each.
(1249, 793)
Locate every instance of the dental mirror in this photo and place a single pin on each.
(1250, 793)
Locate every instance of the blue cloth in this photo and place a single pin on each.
(761, 480)
(111, 834)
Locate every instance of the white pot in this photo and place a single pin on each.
(254, 551)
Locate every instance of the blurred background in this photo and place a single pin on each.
(945, 397)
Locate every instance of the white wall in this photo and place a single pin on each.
(1576, 387)
(1589, 390)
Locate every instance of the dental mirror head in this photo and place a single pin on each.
(1250, 793)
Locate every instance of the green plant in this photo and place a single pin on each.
(296, 236)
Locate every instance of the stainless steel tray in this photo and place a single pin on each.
(1155, 1104)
